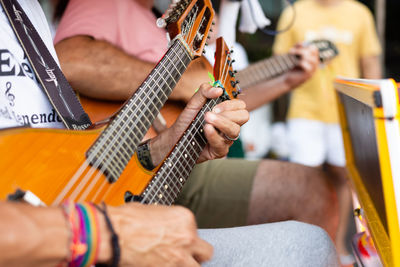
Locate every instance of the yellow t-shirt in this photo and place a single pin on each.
(349, 25)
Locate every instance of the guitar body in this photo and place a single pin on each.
(52, 158)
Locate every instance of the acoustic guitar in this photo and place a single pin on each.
(262, 70)
(170, 176)
(276, 65)
(47, 166)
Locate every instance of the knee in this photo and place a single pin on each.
(314, 244)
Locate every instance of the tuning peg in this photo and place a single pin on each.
(231, 73)
(204, 52)
(234, 83)
(230, 63)
(161, 23)
(231, 51)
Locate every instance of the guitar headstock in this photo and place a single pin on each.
(327, 49)
(223, 71)
(191, 21)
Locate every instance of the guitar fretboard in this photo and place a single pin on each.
(116, 145)
(266, 69)
(167, 183)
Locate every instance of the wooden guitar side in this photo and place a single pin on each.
(43, 161)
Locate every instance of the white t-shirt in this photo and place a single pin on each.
(22, 99)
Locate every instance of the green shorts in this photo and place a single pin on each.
(218, 192)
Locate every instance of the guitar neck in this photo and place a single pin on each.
(167, 183)
(118, 142)
(266, 69)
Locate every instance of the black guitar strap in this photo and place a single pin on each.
(47, 71)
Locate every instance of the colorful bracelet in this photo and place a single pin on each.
(85, 233)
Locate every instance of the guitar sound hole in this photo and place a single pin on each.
(129, 197)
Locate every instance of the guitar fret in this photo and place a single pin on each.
(257, 73)
(178, 73)
(126, 125)
(180, 162)
(288, 62)
(278, 61)
(115, 146)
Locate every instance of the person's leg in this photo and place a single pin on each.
(277, 244)
(227, 193)
(289, 191)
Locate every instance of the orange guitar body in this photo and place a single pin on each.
(51, 158)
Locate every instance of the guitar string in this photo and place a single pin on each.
(122, 131)
(86, 164)
(89, 188)
(186, 38)
(170, 163)
(157, 81)
(173, 163)
(111, 155)
(108, 190)
(225, 71)
(166, 176)
(97, 163)
(104, 195)
(105, 140)
(175, 159)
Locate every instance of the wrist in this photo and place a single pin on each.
(144, 155)
(287, 83)
(162, 144)
(105, 248)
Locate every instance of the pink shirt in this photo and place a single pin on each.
(123, 23)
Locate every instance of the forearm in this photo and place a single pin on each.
(32, 236)
(100, 70)
(371, 67)
(39, 236)
(262, 93)
(161, 145)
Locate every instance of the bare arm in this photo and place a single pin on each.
(101, 70)
(149, 236)
(371, 67)
(269, 90)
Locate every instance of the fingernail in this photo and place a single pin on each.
(217, 110)
(211, 116)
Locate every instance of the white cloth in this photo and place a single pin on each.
(252, 17)
(22, 100)
(313, 142)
